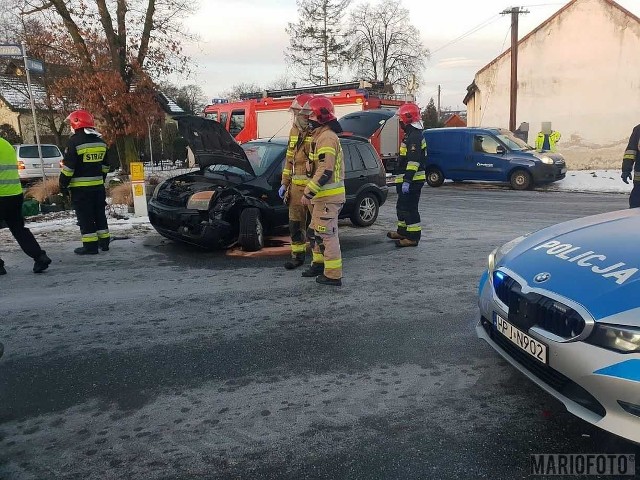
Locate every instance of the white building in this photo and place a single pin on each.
(580, 70)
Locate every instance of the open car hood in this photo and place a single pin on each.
(212, 144)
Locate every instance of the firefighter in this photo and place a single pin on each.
(297, 171)
(84, 171)
(325, 191)
(11, 199)
(409, 184)
(631, 162)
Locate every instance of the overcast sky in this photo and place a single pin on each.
(243, 41)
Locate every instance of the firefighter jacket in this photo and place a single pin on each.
(413, 157)
(632, 155)
(298, 169)
(554, 137)
(9, 177)
(327, 184)
(85, 164)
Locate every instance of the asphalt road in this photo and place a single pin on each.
(158, 361)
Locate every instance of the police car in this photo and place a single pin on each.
(562, 305)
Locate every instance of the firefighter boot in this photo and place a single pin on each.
(294, 263)
(87, 249)
(334, 282)
(104, 244)
(394, 235)
(405, 242)
(314, 270)
(41, 263)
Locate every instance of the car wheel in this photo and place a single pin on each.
(520, 180)
(435, 178)
(366, 210)
(251, 235)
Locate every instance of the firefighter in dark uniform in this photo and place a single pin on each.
(84, 170)
(413, 156)
(631, 162)
(11, 200)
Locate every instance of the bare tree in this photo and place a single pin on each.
(318, 48)
(385, 46)
(242, 90)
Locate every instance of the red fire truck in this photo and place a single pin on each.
(269, 115)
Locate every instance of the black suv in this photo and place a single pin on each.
(234, 196)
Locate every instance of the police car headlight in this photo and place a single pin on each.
(200, 200)
(498, 253)
(616, 337)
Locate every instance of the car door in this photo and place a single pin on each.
(355, 173)
(485, 163)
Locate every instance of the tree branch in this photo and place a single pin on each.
(146, 32)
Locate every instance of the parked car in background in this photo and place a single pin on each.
(488, 154)
(562, 305)
(29, 166)
(234, 196)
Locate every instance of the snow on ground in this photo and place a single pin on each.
(61, 226)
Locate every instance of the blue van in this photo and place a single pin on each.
(489, 154)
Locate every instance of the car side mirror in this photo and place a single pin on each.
(501, 150)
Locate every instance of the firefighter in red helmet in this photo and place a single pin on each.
(83, 174)
(296, 174)
(325, 191)
(413, 157)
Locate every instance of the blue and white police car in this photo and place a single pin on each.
(562, 305)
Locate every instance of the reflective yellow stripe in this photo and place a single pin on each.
(104, 234)
(400, 178)
(298, 247)
(313, 186)
(419, 176)
(92, 152)
(328, 193)
(286, 172)
(414, 228)
(333, 264)
(330, 150)
(301, 181)
(423, 144)
(630, 155)
(89, 237)
(403, 150)
(413, 166)
(402, 224)
(105, 169)
(86, 181)
(318, 257)
(67, 172)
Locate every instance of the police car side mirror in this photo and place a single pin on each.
(501, 150)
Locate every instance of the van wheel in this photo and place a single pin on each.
(435, 178)
(365, 211)
(251, 236)
(520, 180)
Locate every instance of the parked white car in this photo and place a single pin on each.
(29, 166)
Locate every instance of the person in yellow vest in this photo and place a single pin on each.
(295, 175)
(547, 138)
(325, 191)
(11, 199)
(85, 167)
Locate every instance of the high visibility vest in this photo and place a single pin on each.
(9, 178)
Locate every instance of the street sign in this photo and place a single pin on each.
(36, 66)
(10, 50)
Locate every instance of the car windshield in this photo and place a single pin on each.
(512, 142)
(262, 155)
(31, 151)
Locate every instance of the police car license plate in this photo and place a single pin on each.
(523, 341)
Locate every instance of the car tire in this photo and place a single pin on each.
(251, 234)
(365, 210)
(435, 178)
(520, 180)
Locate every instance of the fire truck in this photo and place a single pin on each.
(266, 115)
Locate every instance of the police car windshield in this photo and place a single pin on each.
(512, 142)
(261, 155)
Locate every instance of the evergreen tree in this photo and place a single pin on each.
(318, 48)
(430, 116)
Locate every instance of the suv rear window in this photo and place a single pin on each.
(31, 151)
(370, 161)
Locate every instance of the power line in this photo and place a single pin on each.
(478, 27)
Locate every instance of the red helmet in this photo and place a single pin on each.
(322, 110)
(409, 113)
(300, 101)
(80, 119)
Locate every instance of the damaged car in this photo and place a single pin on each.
(233, 197)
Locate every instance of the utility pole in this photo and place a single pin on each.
(438, 103)
(515, 13)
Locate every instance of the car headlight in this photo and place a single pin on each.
(498, 253)
(200, 200)
(616, 337)
(546, 160)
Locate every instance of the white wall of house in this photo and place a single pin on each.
(581, 71)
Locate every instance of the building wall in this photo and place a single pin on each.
(580, 72)
(8, 116)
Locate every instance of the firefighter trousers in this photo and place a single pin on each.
(89, 203)
(634, 197)
(299, 216)
(323, 235)
(11, 213)
(408, 213)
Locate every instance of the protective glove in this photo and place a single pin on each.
(405, 187)
(281, 191)
(626, 176)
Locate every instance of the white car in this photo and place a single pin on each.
(29, 166)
